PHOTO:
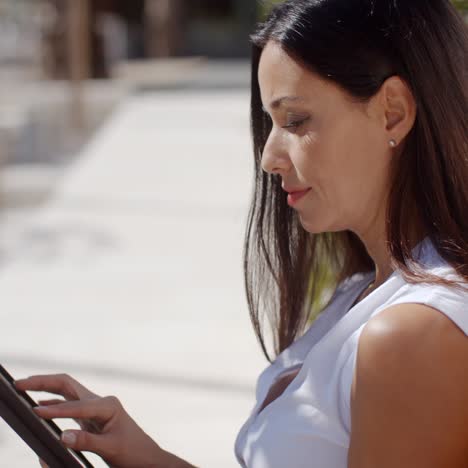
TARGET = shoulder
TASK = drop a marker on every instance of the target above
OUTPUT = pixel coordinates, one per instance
(409, 339)
(410, 390)
(413, 324)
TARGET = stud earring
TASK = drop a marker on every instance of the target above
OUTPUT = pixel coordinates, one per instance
(393, 143)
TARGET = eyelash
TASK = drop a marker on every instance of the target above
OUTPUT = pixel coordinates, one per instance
(296, 124)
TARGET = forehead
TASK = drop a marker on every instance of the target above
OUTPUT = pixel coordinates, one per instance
(279, 74)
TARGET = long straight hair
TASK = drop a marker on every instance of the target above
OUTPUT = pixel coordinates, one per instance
(358, 44)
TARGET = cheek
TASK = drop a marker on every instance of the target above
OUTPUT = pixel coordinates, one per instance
(322, 158)
(308, 160)
(335, 161)
(359, 169)
(351, 151)
(338, 159)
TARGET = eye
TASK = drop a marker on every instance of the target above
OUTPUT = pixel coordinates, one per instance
(293, 124)
(296, 124)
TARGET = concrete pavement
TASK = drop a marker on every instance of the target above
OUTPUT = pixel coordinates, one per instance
(130, 276)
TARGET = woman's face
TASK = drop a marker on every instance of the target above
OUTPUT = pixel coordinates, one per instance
(323, 141)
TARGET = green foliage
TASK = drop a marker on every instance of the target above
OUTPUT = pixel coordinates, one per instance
(264, 7)
(324, 287)
(462, 5)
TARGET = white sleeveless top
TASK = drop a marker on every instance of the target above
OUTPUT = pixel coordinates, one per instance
(309, 423)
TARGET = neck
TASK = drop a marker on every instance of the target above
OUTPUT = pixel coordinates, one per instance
(380, 254)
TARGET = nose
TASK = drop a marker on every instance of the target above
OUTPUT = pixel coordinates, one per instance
(275, 159)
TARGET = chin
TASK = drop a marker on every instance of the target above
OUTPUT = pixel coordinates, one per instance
(311, 227)
(316, 225)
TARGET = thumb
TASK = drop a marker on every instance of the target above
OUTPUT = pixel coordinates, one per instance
(88, 442)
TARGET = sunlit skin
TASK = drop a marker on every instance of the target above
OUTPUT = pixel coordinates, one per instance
(324, 139)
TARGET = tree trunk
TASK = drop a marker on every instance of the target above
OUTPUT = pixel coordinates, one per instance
(164, 27)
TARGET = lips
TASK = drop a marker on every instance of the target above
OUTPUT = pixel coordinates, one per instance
(294, 197)
(295, 190)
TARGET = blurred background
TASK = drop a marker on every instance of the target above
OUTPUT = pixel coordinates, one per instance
(125, 177)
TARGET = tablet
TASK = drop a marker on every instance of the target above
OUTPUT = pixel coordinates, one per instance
(42, 436)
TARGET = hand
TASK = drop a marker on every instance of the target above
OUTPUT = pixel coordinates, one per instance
(106, 428)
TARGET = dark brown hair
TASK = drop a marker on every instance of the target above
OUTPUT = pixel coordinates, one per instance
(358, 44)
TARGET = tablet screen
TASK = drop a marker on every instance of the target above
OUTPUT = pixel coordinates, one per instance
(43, 436)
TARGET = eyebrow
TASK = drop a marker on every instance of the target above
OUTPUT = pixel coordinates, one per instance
(277, 102)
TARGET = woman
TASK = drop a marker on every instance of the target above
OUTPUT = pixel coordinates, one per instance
(359, 112)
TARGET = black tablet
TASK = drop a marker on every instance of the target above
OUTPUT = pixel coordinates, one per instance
(42, 436)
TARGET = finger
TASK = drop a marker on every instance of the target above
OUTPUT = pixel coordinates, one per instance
(49, 402)
(60, 384)
(43, 464)
(101, 444)
(89, 426)
(99, 409)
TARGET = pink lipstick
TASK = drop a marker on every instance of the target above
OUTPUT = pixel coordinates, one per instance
(294, 197)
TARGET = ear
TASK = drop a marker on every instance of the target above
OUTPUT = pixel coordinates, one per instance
(398, 108)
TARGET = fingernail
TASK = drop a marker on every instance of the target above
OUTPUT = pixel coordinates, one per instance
(69, 438)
